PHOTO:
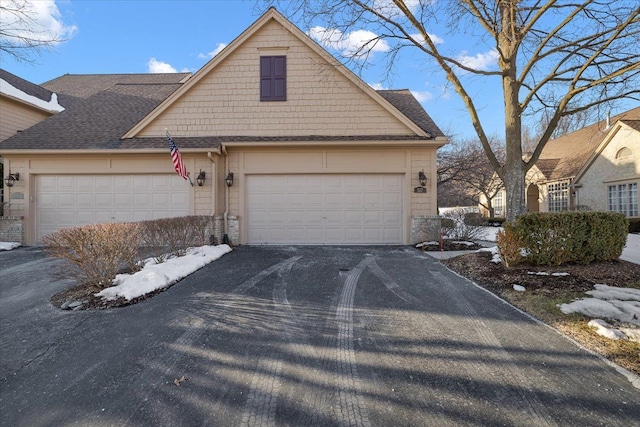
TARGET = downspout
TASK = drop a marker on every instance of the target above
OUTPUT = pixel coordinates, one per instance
(213, 177)
(225, 237)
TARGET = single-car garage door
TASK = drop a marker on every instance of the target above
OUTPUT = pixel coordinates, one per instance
(324, 209)
(73, 200)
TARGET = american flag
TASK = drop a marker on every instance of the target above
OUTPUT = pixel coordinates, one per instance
(178, 163)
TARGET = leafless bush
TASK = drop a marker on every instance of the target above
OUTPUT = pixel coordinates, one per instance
(458, 229)
(97, 252)
(168, 237)
(509, 246)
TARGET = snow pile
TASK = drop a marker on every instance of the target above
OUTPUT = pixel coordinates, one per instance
(7, 246)
(157, 276)
(495, 255)
(617, 304)
(544, 273)
(519, 288)
(463, 242)
(433, 242)
(606, 330)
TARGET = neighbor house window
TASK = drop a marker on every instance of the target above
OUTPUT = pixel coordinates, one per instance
(498, 204)
(623, 198)
(273, 78)
(558, 196)
(623, 153)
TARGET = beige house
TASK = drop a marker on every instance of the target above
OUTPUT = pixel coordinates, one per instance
(595, 168)
(293, 147)
(22, 104)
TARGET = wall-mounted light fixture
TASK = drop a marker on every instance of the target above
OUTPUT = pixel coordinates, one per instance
(422, 178)
(200, 178)
(229, 179)
(11, 179)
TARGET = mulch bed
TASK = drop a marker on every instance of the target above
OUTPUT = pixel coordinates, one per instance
(497, 278)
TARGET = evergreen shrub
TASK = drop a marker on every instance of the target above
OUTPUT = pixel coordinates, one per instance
(569, 237)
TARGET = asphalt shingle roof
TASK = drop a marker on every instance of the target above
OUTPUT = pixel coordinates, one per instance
(408, 105)
(563, 157)
(26, 86)
(101, 108)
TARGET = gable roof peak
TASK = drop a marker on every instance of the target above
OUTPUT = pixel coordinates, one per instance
(273, 14)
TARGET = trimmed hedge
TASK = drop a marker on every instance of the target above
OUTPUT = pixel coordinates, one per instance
(564, 237)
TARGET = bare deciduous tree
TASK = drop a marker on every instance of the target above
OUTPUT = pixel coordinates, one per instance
(555, 58)
(22, 31)
(464, 173)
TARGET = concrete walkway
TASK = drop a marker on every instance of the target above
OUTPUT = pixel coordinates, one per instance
(317, 336)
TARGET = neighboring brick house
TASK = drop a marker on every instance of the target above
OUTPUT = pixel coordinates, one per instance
(594, 168)
(311, 153)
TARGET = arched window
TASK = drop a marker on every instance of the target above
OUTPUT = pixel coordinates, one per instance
(624, 152)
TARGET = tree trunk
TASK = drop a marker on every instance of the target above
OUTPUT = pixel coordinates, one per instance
(515, 188)
(513, 172)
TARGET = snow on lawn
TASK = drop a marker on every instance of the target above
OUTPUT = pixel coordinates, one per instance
(157, 276)
(622, 304)
(7, 246)
(631, 251)
(616, 304)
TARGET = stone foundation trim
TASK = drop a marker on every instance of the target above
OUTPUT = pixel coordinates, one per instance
(425, 228)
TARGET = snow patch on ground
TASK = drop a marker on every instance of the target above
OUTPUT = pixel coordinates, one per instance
(7, 246)
(606, 330)
(519, 288)
(495, 255)
(615, 304)
(433, 242)
(157, 276)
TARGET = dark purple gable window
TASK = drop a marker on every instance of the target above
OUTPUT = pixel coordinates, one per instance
(273, 78)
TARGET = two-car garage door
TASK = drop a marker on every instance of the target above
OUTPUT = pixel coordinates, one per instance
(73, 200)
(325, 209)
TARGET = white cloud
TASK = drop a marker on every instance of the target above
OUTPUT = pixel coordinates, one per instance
(43, 20)
(481, 61)
(356, 43)
(422, 96)
(434, 38)
(214, 52)
(377, 86)
(388, 8)
(156, 66)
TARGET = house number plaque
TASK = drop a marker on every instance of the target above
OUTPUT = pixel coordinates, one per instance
(419, 189)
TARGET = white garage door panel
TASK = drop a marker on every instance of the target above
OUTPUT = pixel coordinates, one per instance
(324, 209)
(73, 200)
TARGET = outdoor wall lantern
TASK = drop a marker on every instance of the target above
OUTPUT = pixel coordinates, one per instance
(11, 179)
(229, 179)
(200, 178)
(422, 178)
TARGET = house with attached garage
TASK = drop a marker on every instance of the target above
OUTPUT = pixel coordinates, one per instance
(290, 147)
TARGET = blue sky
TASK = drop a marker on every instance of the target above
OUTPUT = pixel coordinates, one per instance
(141, 36)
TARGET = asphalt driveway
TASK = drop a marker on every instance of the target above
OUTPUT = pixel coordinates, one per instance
(296, 336)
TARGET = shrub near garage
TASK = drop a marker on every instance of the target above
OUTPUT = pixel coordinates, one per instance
(97, 252)
(168, 237)
(566, 237)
